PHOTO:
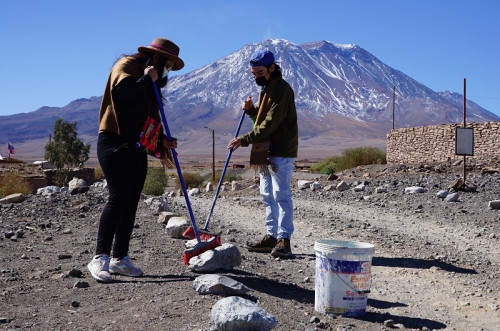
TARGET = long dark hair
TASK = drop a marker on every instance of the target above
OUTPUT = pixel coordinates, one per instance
(140, 57)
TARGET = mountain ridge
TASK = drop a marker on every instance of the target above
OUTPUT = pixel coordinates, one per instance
(342, 91)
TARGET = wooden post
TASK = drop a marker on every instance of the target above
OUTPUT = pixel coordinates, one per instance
(213, 155)
(465, 123)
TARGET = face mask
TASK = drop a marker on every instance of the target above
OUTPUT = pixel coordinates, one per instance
(261, 81)
(165, 72)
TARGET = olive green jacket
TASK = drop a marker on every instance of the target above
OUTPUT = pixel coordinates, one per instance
(280, 124)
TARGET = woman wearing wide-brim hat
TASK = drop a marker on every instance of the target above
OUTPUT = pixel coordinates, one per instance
(128, 101)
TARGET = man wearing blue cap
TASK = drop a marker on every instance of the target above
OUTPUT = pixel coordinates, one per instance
(274, 140)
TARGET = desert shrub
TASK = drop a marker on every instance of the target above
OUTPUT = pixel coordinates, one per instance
(98, 173)
(350, 158)
(326, 166)
(11, 183)
(156, 181)
(227, 177)
(191, 180)
(361, 156)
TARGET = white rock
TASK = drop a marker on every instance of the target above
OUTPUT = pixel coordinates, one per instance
(209, 187)
(303, 184)
(442, 194)
(452, 197)
(176, 226)
(238, 314)
(76, 183)
(48, 190)
(494, 204)
(219, 285)
(13, 198)
(329, 188)
(414, 190)
(359, 188)
(193, 191)
(315, 186)
(165, 216)
(224, 257)
(342, 186)
(381, 189)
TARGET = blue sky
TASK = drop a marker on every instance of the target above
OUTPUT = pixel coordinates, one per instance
(54, 52)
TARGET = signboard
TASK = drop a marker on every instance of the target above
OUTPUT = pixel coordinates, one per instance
(464, 141)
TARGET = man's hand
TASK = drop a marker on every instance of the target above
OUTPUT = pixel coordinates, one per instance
(234, 144)
(247, 104)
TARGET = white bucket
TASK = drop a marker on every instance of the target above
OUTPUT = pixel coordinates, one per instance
(343, 276)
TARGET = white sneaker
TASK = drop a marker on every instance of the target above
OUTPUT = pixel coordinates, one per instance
(99, 268)
(124, 267)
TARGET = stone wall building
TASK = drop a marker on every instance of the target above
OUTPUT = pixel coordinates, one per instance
(437, 143)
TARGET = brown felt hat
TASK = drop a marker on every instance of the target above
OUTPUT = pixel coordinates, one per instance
(165, 48)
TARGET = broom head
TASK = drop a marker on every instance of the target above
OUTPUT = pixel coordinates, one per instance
(200, 247)
(204, 235)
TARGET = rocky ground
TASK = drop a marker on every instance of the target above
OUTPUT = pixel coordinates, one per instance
(436, 266)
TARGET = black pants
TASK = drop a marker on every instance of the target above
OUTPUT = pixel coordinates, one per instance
(125, 168)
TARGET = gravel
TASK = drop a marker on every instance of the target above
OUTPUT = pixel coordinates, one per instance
(436, 265)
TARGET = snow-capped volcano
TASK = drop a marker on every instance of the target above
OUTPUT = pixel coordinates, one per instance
(328, 79)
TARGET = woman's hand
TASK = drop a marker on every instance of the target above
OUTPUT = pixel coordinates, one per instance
(169, 143)
(151, 71)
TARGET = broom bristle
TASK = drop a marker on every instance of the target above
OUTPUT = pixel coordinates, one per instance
(204, 235)
(189, 233)
(200, 248)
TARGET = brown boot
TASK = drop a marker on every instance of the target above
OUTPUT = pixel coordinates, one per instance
(265, 245)
(282, 248)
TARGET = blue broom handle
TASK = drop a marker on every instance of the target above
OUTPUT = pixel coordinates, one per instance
(223, 173)
(174, 154)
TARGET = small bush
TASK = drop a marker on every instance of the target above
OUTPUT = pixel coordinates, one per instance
(191, 180)
(11, 183)
(361, 156)
(156, 181)
(350, 158)
(98, 173)
(326, 166)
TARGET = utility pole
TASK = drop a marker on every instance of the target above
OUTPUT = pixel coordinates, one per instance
(465, 157)
(213, 152)
(393, 104)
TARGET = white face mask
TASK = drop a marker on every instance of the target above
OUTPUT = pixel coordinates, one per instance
(165, 72)
(168, 67)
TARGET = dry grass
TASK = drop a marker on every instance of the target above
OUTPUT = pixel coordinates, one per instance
(11, 183)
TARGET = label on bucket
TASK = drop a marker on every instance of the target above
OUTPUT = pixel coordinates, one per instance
(341, 286)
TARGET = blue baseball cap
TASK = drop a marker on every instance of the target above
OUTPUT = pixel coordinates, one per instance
(261, 58)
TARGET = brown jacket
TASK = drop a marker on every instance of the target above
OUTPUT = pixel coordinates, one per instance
(128, 99)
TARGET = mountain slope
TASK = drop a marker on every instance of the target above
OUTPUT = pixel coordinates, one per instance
(343, 96)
